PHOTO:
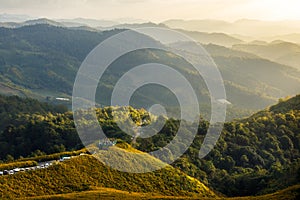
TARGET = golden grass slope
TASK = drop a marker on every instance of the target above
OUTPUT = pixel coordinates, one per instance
(291, 193)
(83, 173)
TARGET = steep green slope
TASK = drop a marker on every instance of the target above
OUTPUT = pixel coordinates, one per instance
(254, 74)
(285, 105)
(84, 172)
(43, 57)
(265, 78)
(42, 60)
(255, 155)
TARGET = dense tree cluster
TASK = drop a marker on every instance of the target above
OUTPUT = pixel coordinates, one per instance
(12, 106)
(251, 155)
(255, 155)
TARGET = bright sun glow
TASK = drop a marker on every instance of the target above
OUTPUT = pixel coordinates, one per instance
(277, 9)
(157, 10)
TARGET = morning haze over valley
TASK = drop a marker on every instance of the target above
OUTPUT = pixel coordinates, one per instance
(148, 99)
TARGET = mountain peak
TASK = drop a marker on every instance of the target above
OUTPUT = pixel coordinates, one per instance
(42, 21)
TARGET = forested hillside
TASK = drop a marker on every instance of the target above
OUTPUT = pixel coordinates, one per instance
(31, 65)
(256, 155)
(12, 106)
(148, 99)
(44, 58)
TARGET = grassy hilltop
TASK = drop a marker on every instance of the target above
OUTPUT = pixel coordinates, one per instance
(84, 173)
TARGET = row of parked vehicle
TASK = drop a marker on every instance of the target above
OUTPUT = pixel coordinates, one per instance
(23, 169)
(39, 166)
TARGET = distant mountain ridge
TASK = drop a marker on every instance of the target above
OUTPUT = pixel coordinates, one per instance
(94, 23)
(212, 38)
(30, 22)
(279, 51)
(244, 29)
(43, 60)
(248, 27)
(14, 18)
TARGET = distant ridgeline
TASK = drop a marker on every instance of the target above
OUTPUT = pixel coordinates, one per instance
(34, 67)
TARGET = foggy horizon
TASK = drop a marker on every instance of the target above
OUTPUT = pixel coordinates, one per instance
(150, 10)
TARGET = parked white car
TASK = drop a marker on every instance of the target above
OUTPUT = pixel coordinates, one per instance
(64, 158)
(16, 170)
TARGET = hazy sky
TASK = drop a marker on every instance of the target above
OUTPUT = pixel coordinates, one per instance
(156, 10)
